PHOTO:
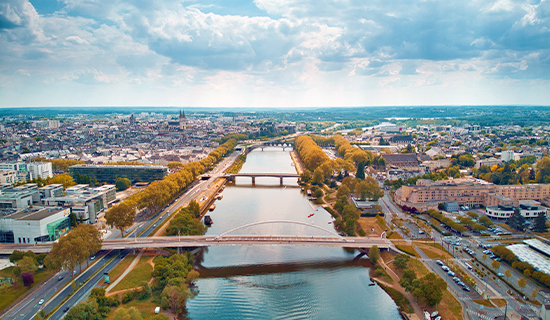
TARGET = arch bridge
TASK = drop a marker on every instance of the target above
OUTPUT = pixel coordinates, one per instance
(232, 176)
(228, 238)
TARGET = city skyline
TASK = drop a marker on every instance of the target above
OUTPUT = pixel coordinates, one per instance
(280, 53)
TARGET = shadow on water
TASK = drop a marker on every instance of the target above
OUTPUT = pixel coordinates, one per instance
(263, 269)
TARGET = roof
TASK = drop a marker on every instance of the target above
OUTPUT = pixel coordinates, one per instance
(34, 214)
(400, 157)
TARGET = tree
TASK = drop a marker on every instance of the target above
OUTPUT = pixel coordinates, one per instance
(27, 265)
(507, 273)
(343, 192)
(28, 279)
(522, 283)
(127, 314)
(360, 170)
(495, 264)
(192, 276)
(484, 257)
(175, 298)
(406, 281)
(526, 273)
(516, 221)
(472, 215)
(535, 293)
(306, 175)
(485, 221)
(400, 261)
(121, 216)
(318, 176)
(92, 238)
(543, 170)
(539, 224)
(83, 311)
(374, 254)
(122, 183)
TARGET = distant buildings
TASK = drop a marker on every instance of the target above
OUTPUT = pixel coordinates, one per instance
(28, 171)
(34, 225)
(109, 173)
(504, 211)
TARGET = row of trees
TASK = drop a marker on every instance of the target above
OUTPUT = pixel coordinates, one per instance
(97, 307)
(160, 193)
(60, 165)
(526, 268)
(74, 248)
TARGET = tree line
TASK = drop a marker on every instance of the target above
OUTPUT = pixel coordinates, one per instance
(159, 193)
(59, 165)
(524, 267)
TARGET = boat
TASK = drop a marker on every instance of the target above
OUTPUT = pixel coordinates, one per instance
(220, 196)
(427, 315)
(212, 207)
(435, 313)
(438, 318)
(311, 215)
(372, 284)
(330, 222)
(207, 220)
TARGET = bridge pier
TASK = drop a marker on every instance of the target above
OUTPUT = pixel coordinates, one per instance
(281, 180)
(253, 180)
(262, 148)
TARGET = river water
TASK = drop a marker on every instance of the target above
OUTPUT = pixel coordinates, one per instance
(278, 282)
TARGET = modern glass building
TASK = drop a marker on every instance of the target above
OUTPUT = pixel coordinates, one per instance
(109, 173)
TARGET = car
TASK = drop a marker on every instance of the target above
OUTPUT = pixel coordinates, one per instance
(60, 278)
(451, 274)
(469, 266)
(439, 262)
(66, 309)
(445, 268)
(41, 302)
(420, 232)
(465, 288)
(500, 274)
(455, 279)
(92, 257)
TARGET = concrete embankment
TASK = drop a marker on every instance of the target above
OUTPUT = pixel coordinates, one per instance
(298, 164)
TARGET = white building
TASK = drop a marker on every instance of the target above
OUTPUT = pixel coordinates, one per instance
(506, 211)
(20, 168)
(34, 225)
(508, 155)
(8, 176)
(40, 169)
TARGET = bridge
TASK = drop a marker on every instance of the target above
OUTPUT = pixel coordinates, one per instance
(272, 143)
(232, 176)
(332, 239)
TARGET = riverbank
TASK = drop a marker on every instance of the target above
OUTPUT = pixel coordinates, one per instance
(298, 164)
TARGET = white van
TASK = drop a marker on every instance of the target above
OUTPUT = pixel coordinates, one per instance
(157, 310)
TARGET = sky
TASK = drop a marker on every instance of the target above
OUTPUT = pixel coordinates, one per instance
(274, 53)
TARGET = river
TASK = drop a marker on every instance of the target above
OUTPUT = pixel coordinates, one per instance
(278, 282)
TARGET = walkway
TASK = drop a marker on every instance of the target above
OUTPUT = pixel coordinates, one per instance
(130, 267)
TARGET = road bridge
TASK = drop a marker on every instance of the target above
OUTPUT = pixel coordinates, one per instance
(227, 239)
(232, 176)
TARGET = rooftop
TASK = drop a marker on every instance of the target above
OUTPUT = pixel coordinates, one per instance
(34, 214)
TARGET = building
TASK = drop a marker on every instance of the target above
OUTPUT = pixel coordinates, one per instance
(132, 120)
(468, 192)
(51, 191)
(401, 160)
(8, 176)
(40, 169)
(489, 162)
(84, 201)
(450, 206)
(109, 173)
(506, 211)
(180, 124)
(20, 197)
(34, 225)
(508, 155)
(392, 127)
(20, 168)
(402, 139)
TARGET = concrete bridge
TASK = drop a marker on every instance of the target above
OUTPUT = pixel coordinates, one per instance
(232, 176)
(272, 143)
(332, 239)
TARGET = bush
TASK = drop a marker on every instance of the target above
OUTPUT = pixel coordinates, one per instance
(127, 297)
(28, 279)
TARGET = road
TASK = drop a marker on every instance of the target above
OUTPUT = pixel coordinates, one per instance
(29, 307)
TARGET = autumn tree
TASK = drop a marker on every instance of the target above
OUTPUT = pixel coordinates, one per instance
(522, 283)
(27, 265)
(91, 236)
(121, 216)
(543, 170)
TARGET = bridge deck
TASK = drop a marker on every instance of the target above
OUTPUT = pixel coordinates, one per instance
(207, 241)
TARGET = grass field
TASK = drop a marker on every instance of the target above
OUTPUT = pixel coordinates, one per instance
(407, 249)
(141, 272)
(8, 294)
(119, 269)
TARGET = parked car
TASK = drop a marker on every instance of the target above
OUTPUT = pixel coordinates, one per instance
(41, 302)
(439, 262)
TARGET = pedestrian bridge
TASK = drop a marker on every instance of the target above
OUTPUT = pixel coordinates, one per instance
(331, 239)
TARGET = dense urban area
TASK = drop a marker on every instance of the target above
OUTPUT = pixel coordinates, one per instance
(453, 201)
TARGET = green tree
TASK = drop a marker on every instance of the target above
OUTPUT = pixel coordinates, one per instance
(175, 298)
(83, 311)
(360, 174)
(400, 261)
(429, 289)
(127, 314)
(472, 215)
(374, 254)
(306, 175)
(543, 170)
(539, 224)
(343, 192)
(194, 208)
(122, 183)
(407, 280)
(121, 216)
(516, 221)
(485, 221)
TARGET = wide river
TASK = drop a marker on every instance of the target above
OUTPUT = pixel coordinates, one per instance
(278, 282)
